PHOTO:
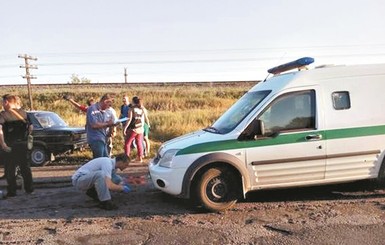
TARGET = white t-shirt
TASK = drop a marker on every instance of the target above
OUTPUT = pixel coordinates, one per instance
(142, 110)
(110, 114)
(104, 164)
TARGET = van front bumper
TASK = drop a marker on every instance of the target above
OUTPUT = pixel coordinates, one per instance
(168, 180)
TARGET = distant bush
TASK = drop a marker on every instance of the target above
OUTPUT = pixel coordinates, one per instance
(76, 80)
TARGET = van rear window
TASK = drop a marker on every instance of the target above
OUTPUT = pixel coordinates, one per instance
(341, 100)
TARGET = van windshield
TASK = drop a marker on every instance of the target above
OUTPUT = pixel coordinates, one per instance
(237, 112)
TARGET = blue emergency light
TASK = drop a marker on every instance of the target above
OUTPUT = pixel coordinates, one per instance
(291, 65)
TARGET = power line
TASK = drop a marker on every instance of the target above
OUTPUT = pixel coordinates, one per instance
(194, 51)
(193, 60)
(249, 51)
(248, 61)
(132, 71)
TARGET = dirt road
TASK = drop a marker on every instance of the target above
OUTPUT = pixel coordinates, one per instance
(58, 214)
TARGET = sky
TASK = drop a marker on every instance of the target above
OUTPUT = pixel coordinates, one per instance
(183, 40)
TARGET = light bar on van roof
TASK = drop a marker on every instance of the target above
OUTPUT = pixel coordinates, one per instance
(291, 65)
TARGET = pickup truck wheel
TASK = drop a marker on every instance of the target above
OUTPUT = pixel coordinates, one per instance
(38, 156)
(217, 189)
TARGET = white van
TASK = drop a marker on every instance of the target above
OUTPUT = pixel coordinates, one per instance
(298, 128)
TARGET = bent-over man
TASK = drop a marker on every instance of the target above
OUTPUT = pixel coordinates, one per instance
(95, 177)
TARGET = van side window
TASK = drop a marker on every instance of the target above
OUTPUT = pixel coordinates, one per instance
(292, 111)
(341, 100)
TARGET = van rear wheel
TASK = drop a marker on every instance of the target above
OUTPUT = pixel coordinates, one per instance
(381, 174)
(217, 189)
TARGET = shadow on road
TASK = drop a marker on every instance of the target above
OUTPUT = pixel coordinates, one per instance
(356, 190)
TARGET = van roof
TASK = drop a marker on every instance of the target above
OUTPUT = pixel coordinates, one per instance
(302, 63)
(330, 71)
(313, 76)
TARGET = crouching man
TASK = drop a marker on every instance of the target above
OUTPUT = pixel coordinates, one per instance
(95, 177)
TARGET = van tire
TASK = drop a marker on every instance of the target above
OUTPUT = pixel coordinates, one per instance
(217, 189)
(381, 174)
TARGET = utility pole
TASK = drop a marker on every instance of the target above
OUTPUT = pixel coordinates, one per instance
(28, 76)
(125, 75)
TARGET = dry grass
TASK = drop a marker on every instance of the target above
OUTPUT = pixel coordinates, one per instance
(173, 109)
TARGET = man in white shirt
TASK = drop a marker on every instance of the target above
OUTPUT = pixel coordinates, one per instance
(111, 131)
(95, 177)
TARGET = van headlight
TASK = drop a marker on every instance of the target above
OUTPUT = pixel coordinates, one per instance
(166, 159)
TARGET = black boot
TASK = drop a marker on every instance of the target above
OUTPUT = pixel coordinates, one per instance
(92, 193)
(107, 205)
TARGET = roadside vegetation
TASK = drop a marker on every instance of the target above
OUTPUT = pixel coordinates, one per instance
(173, 109)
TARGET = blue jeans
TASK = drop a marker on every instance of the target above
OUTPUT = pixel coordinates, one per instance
(93, 179)
(99, 149)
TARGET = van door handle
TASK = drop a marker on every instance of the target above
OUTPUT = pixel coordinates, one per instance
(313, 137)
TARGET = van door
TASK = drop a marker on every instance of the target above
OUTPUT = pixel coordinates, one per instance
(290, 151)
(355, 139)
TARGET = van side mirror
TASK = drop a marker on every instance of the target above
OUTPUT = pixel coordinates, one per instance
(256, 128)
(260, 128)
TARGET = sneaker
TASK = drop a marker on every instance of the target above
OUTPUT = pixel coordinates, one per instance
(92, 193)
(107, 205)
(30, 192)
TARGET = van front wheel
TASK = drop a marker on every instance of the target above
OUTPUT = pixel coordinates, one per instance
(217, 189)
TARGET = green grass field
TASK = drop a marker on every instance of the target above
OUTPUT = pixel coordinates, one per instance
(173, 109)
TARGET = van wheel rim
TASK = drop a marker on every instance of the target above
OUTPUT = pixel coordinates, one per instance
(217, 189)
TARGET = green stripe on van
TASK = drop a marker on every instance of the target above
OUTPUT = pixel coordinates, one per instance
(355, 132)
(282, 139)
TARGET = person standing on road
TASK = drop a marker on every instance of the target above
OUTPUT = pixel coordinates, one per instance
(111, 131)
(146, 132)
(95, 177)
(111, 114)
(14, 130)
(134, 129)
(97, 123)
(124, 108)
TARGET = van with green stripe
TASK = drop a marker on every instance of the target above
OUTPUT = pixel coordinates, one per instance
(302, 127)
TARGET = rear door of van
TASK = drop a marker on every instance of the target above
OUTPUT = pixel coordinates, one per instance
(356, 126)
